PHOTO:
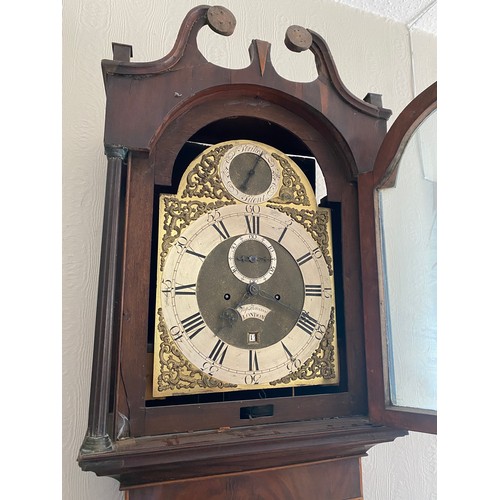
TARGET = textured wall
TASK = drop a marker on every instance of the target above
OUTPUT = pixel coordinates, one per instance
(372, 55)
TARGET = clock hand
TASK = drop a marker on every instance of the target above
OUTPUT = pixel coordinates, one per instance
(230, 315)
(251, 172)
(252, 258)
(245, 297)
(270, 297)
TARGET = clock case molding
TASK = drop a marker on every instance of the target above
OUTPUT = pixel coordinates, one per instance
(153, 110)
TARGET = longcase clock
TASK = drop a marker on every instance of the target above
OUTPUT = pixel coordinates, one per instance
(233, 330)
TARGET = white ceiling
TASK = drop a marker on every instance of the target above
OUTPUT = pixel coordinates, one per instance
(420, 14)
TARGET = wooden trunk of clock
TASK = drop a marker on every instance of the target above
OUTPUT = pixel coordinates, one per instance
(248, 443)
(333, 480)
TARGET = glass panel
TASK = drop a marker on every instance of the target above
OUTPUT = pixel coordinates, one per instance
(408, 233)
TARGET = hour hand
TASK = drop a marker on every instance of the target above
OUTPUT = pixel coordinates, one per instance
(252, 258)
(251, 172)
(276, 300)
(230, 316)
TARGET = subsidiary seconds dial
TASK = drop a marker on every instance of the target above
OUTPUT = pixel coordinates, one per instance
(252, 258)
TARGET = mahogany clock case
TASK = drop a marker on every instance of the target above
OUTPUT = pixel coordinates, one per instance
(159, 116)
(223, 409)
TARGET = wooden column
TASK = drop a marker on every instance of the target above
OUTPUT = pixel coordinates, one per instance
(98, 438)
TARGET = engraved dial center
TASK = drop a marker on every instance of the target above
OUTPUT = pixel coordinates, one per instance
(243, 313)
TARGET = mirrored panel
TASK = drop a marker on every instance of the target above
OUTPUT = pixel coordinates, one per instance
(408, 218)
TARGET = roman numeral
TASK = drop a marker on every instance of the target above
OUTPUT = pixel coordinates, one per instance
(253, 363)
(288, 353)
(218, 352)
(282, 234)
(305, 258)
(221, 229)
(186, 289)
(313, 290)
(307, 323)
(253, 224)
(293, 363)
(193, 324)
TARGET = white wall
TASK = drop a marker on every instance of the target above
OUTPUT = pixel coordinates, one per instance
(372, 55)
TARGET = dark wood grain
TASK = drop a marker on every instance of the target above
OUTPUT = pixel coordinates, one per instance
(188, 455)
(153, 109)
(386, 165)
(332, 479)
(136, 279)
(98, 437)
(325, 98)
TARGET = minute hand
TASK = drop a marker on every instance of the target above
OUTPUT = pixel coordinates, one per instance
(268, 296)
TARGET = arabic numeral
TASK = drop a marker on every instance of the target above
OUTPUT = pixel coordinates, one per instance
(317, 253)
(166, 289)
(252, 378)
(213, 216)
(180, 244)
(320, 331)
(253, 209)
(176, 333)
(209, 368)
(166, 286)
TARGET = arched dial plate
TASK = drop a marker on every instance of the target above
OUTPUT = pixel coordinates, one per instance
(245, 295)
(237, 330)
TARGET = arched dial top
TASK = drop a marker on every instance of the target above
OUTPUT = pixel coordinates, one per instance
(245, 287)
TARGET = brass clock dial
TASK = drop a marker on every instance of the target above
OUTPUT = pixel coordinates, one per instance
(245, 295)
